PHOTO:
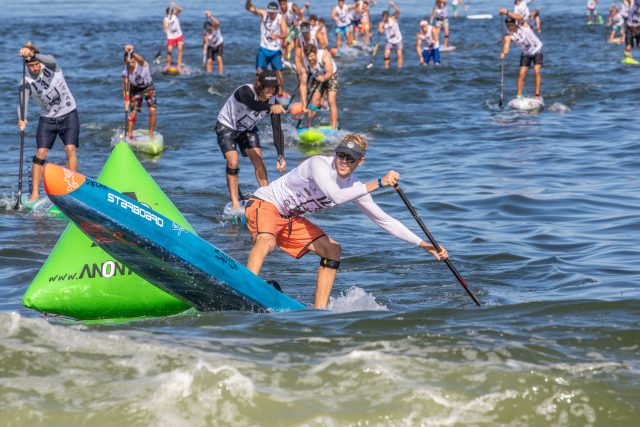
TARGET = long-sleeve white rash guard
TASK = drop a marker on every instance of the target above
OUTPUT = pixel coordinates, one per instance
(315, 185)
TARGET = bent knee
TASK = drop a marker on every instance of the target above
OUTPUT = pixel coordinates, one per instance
(334, 250)
(266, 241)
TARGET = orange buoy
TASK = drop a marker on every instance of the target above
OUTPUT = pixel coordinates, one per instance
(296, 108)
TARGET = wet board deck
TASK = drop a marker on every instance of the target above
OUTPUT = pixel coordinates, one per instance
(171, 71)
(315, 135)
(160, 250)
(526, 104)
(41, 207)
(142, 143)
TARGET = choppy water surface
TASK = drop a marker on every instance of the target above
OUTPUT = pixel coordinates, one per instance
(538, 212)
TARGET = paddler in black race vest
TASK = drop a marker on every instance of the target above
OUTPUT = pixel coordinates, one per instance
(522, 35)
(276, 213)
(138, 86)
(236, 129)
(59, 116)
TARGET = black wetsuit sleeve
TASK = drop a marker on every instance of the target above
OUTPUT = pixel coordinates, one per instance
(47, 60)
(245, 96)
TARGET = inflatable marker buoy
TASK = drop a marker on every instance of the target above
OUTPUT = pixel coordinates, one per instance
(82, 281)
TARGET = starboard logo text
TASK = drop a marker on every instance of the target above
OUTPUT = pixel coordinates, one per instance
(137, 210)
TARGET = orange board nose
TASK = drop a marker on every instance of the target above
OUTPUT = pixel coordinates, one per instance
(59, 181)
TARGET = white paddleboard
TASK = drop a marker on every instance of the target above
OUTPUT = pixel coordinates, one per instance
(526, 104)
(141, 142)
(487, 16)
(447, 48)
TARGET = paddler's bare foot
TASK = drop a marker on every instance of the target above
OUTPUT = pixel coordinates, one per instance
(151, 135)
(33, 198)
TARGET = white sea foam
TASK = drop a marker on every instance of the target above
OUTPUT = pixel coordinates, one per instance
(355, 299)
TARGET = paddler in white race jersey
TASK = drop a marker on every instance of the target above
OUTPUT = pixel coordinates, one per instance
(391, 29)
(275, 213)
(304, 39)
(317, 33)
(428, 44)
(455, 6)
(273, 30)
(45, 82)
(522, 35)
(138, 85)
(292, 17)
(236, 130)
(341, 15)
(439, 13)
(171, 26)
(324, 72)
(213, 43)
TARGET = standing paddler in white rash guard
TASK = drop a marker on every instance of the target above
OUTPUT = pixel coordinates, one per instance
(274, 213)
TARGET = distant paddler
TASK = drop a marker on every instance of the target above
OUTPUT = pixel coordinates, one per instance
(213, 43)
(341, 15)
(592, 15)
(428, 44)
(317, 32)
(319, 64)
(304, 39)
(632, 32)
(59, 116)
(616, 22)
(236, 130)
(273, 30)
(439, 13)
(391, 29)
(171, 26)
(292, 16)
(138, 86)
(276, 213)
(530, 45)
(321, 33)
(456, 5)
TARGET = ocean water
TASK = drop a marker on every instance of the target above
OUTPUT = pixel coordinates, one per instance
(539, 213)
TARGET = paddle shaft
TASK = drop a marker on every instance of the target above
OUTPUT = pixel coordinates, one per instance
(501, 102)
(23, 91)
(434, 243)
(126, 89)
(314, 87)
(159, 54)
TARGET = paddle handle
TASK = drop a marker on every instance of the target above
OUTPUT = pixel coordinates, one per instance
(435, 243)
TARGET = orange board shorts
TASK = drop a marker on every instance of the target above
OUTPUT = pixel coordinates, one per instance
(293, 235)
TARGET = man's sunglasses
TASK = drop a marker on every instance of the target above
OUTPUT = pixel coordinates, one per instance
(346, 157)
